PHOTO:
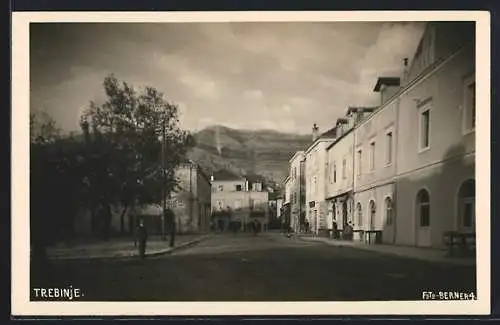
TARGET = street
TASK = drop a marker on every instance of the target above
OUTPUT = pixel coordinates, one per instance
(266, 267)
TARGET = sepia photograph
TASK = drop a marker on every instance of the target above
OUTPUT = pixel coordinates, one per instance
(248, 161)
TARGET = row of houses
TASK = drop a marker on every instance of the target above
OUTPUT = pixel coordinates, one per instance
(402, 170)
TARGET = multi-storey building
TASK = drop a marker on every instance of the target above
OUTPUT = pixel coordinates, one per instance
(237, 200)
(191, 202)
(339, 169)
(297, 191)
(374, 168)
(315, 178)
(435, 159)
(404, 171)
(415, 155)
(287, 199)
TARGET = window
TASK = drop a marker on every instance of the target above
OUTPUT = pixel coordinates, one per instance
(388, 211)
(467, 204)
(257, 187)
(373, 212)
(237, 204)
(360, 156)
(372, 155)
(238, 188)
(295, 198)
(334, 172)
(220, 205)
(330, 173)
(423, 208)
(221, 188)
(469, 110)
(388, 152)
(344, 167)
(360, 215)
(424, 130)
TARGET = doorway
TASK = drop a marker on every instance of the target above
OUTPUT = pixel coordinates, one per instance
(423, 219)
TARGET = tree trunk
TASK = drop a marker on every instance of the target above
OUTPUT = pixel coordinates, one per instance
(106, 216)
(122, 220)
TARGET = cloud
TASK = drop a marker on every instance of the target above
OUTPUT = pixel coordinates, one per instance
(282, 75)
(287, 108)
(254, 94)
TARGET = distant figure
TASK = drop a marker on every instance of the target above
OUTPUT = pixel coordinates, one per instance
(334, 229)
(142, 237)
(348, 231)
(255, 225)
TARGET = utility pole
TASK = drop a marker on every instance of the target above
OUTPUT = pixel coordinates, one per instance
(164, 179)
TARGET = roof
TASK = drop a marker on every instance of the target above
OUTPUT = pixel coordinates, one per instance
(342, 120)
(297, 154)
(253, 178)
(329, 134)
(188, 163)
(388, 81)
(286, 179)
(226, 175)
(274, 196)
(351, 109)
(339, 138)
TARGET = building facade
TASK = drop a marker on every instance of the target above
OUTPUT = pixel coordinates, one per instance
(403, 172)
(315, 178)
(297, 191)
(191, 203)
(415, 156)
(237, 200)
(339, 180)
(435, 160)
(287, 198)
(374, 173)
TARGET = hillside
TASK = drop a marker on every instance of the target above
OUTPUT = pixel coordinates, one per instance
(262, 152)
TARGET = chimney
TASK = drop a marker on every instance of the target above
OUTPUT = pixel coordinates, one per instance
(405, 71)
(315, 133)
(338, 129)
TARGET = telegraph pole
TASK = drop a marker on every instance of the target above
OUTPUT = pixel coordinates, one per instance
(164, 179)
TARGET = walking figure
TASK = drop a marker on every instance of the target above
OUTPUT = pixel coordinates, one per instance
(142, 237)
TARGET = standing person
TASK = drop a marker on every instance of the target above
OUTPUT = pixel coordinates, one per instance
(348, 231)
(142, 237)
(254, 226)
(335, 229)
(173, 225)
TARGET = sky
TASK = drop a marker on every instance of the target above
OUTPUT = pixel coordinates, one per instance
(283, 76)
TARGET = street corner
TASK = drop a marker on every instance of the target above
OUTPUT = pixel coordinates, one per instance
(181, 246)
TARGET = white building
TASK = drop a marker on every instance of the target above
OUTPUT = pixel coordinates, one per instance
(339, 166)
(297, 190)
(415, 155)
(435, 160)
(315, 178)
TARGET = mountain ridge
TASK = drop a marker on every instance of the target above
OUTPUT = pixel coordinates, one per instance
(262, 152)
